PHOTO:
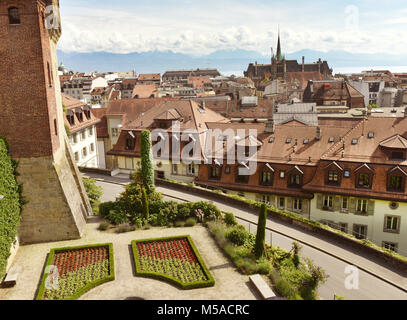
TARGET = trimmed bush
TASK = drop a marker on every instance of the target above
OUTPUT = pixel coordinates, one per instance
(125, 228)
(94, 193)
(103, 226)
(261, 232)
(209, 210)
(190, 222)
(237, 236)
(10, 205)
(179, 224)
(144, 200)
(106, 207)
(147, 169)
(230, 219)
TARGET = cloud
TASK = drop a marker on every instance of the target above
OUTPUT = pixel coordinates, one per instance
(194, 27)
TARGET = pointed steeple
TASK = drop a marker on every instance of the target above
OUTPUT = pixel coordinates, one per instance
(279, 57)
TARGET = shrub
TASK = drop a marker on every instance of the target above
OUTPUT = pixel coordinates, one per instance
(117, 217)
(230, 219)
(190, 222)
(261, 232)
(147, 169)
(296, 248)
(103, 226)
(125, 228)
(185, 210)
(94, 193)
(209, 210)
(10, 205)
(146, 227)
(264, 267)
(179, 224)
(106, 207)
(237, 236)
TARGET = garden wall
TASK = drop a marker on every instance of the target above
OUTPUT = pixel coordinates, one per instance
(308, 225)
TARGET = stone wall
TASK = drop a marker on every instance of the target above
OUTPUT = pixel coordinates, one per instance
(55, 210)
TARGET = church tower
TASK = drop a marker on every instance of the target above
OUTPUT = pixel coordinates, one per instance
(32, 121)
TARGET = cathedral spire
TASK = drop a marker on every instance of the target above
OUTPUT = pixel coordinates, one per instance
(279, 56)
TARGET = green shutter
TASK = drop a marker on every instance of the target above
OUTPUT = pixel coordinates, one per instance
(352, 205)
(319, 202)
(337, 204)
(370, 207)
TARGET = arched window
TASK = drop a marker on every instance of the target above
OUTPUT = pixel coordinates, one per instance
(14, 15)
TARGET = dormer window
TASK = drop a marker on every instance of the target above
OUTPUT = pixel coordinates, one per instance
(295, 178)
(333, 177)
(14, 15)
(396, 180)
(242, 178)
(71, 119)
(364, 180)
(395, 155)
(130, 143)
(214, 173)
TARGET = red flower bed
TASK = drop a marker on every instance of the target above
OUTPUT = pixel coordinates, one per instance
(71, 261)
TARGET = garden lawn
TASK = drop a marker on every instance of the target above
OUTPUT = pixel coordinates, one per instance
(70, 272)
(174, 259)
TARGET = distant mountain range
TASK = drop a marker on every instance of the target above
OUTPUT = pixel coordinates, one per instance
(227, 62)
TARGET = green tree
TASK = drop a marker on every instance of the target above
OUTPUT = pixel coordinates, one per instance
(94, 193)
(147, 169)
(261, 232)
(144, 199)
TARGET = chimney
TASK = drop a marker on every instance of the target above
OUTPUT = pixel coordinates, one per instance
(319, 133)
(405, 112)
(303, 63)
(319, 65)
(270, 127)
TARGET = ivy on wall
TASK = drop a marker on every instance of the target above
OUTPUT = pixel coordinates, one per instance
(10, 204)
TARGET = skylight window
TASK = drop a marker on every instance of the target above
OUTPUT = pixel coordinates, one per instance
(271, 140)
(331, 139)
(306, 141)
(371, 135)
(288, 141)
(355, 141)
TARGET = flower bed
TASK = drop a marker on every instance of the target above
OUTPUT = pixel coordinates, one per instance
(70, 272)
(174, 259)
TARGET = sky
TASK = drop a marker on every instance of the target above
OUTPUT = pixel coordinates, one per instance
(202, 27)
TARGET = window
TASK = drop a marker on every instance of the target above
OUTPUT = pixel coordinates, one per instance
(391, 224)
(328, 202)
(370, 135)
(390, 246)
(76, 156)
(75, 138)
(331, 139)
(360, 231)
(55, 127)
(396, 183)
(71, 119)
(240, 178)
(346, 173)
(115, 132)
(130, 143)
(83, 135)
(49, 75)
(14, 15)
(354, 141)
(191, 169)
(297, 204)
(92, 147)
(214, 173)
(227, 170)
(361, 206)
(288, 141)
(281, 203)
(364, 180)
(282, 174)
(295, 180)
(343, 227)
(174, 169)
(345, 205)
(266, 178)
(90, 132)
(397, 156)
(333, 177)
(84, 152)
(265, 198)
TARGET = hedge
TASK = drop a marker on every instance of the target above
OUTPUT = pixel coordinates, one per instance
(147, 168)
(90, 285)
(155, 275)
(10, 205)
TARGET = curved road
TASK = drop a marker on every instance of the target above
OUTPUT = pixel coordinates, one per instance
(370, 286)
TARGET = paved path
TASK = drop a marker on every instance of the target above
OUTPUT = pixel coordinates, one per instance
(230, 284)
(376, 281)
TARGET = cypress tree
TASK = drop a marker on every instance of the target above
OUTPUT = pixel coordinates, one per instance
(261, 232)
(144, 200)
(147, 169)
